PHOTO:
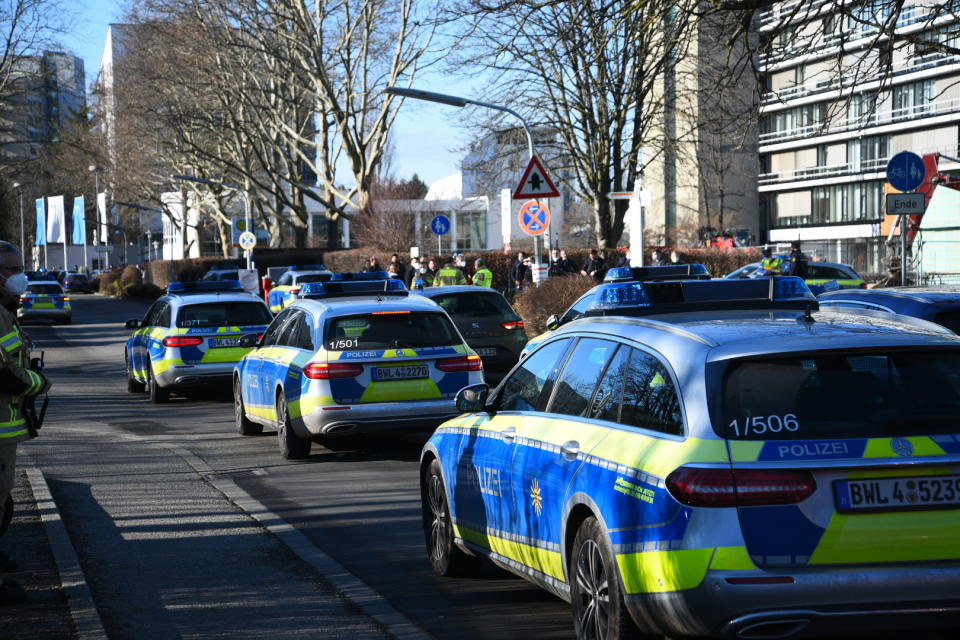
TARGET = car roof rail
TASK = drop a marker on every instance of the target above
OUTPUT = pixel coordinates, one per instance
(647, 298)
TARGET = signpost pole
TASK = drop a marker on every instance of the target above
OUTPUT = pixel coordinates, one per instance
(904, 223)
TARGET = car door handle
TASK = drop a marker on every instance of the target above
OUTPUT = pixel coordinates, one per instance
(509, 434)
(570, 449)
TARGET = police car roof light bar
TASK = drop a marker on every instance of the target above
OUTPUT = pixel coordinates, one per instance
(205, 286)
(306, 267)
(339, 289)
(666, 272)
(643, 298)
(364, 276)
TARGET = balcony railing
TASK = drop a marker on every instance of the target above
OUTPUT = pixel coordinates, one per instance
(920, 63)
(846, 169)
(876, 119)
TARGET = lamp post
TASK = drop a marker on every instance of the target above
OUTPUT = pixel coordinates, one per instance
(248, 223)
(23, 242)
(457, 101)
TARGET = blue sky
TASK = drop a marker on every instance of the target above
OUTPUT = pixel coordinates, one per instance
(424, 133)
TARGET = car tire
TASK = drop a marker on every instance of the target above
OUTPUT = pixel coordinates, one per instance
(446, 558)
(133, 385)
(158, 395)
(292, 446)
(596, 594)
(245, 427)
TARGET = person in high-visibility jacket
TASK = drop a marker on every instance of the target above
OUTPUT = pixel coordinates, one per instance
(449, 275)
(482, 277)
(17, 383)
(772, 265)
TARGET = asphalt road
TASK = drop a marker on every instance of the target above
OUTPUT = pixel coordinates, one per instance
(168, 555)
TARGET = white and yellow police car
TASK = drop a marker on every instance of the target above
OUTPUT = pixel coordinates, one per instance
(288, 285)
(45, 300)
(352, 356)
(715, 458)
(191, 337)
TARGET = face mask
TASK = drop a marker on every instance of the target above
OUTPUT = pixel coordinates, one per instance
(17, 283)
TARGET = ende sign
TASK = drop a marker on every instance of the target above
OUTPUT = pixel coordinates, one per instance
(905, 204)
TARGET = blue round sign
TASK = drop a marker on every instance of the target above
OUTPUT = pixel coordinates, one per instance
(905, 171)
(440, 225)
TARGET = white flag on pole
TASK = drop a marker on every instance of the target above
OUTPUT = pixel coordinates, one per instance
(102, 217)
(56, 224)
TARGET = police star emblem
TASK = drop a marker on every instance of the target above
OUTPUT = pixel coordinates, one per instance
(536, 496)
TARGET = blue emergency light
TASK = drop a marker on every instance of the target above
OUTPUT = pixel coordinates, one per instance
(205, 286)
(361, 276)
(666, 272)
(306, 267)
(341, 288)
(642, 298)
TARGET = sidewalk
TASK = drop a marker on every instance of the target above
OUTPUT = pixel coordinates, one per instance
(46, 613)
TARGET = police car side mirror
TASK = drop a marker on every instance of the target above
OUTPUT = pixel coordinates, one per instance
(553, 322)
(132, 323)
(473, 398)
(249, 340)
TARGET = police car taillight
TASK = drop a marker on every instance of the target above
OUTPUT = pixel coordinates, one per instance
(469, 362)
(328, 370)
(295, 291)
(743, 487)
(517, 324)
(181, 341)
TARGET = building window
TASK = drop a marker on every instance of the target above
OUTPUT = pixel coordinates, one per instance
(471, 230)
(862, 108)
(855, 202)
(868, 153)
(912, 100)
(790, 120)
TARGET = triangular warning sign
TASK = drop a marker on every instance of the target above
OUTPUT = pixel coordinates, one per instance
(535, 183)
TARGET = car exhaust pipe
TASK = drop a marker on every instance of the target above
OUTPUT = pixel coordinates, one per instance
(187, 380)
(772, 629)
(340, 428)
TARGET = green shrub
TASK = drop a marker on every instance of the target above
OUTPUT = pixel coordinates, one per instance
(109, 282)
(719, 262)
(145, 291)
(536, 304)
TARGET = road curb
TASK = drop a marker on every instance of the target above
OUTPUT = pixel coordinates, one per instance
(83, 609)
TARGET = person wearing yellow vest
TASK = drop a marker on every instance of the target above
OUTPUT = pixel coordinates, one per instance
(449, 275)
(482, 277)
(17, 383)
(772, 265)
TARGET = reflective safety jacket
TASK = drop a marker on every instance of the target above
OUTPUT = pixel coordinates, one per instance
(773, 266)
(483, 277)
(17, 380)
(449, 275)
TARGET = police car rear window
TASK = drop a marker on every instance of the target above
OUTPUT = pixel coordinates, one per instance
(53, 289)
(842, 395)
(390, 330)
(223, 314)
(316, 277)
(475, 305)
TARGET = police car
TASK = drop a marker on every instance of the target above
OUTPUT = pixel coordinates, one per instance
(191, 336)
(715, 458)
(45, 300)
(940, 304)
(352, 356)
(289, 284)
(618, 274)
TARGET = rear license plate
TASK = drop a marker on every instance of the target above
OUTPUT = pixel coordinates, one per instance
(897, 494)
(486, 351)
(225, 342)
(400, 373)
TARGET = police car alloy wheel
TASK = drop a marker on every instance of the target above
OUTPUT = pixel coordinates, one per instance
(599, 612)
(158, 394)
(244, 427)
(133, 385)
(445, 557)
(292, 447)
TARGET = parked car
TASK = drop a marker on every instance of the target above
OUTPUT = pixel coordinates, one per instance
(486, 321)
(939, 304)
(819, 277)
(74, 282)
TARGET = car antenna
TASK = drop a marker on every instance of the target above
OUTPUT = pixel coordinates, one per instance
(808, 314)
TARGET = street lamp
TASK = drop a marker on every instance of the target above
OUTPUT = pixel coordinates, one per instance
(457, 101)
(23, 243)
(246, 205)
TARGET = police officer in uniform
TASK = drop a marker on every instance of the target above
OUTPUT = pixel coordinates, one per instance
(17, 383)
(771, 265)
(482, 277)
(449, 275)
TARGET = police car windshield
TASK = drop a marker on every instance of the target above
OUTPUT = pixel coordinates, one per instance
(837, 395)
(391, 330)
(44, 288)
(475, 304)
(223, 314)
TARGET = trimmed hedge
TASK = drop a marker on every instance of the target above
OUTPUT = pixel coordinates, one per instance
(536, 304)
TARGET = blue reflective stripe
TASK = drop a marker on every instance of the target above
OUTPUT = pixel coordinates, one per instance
(19, 427)
(10, 341)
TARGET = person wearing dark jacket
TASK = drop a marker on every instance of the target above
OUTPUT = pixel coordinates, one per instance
(519, 274)
(560, 264)
(595, 267)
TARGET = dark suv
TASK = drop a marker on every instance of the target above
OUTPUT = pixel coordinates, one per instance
(487, 322)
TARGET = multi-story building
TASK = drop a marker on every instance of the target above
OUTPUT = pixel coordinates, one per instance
(847, 87)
